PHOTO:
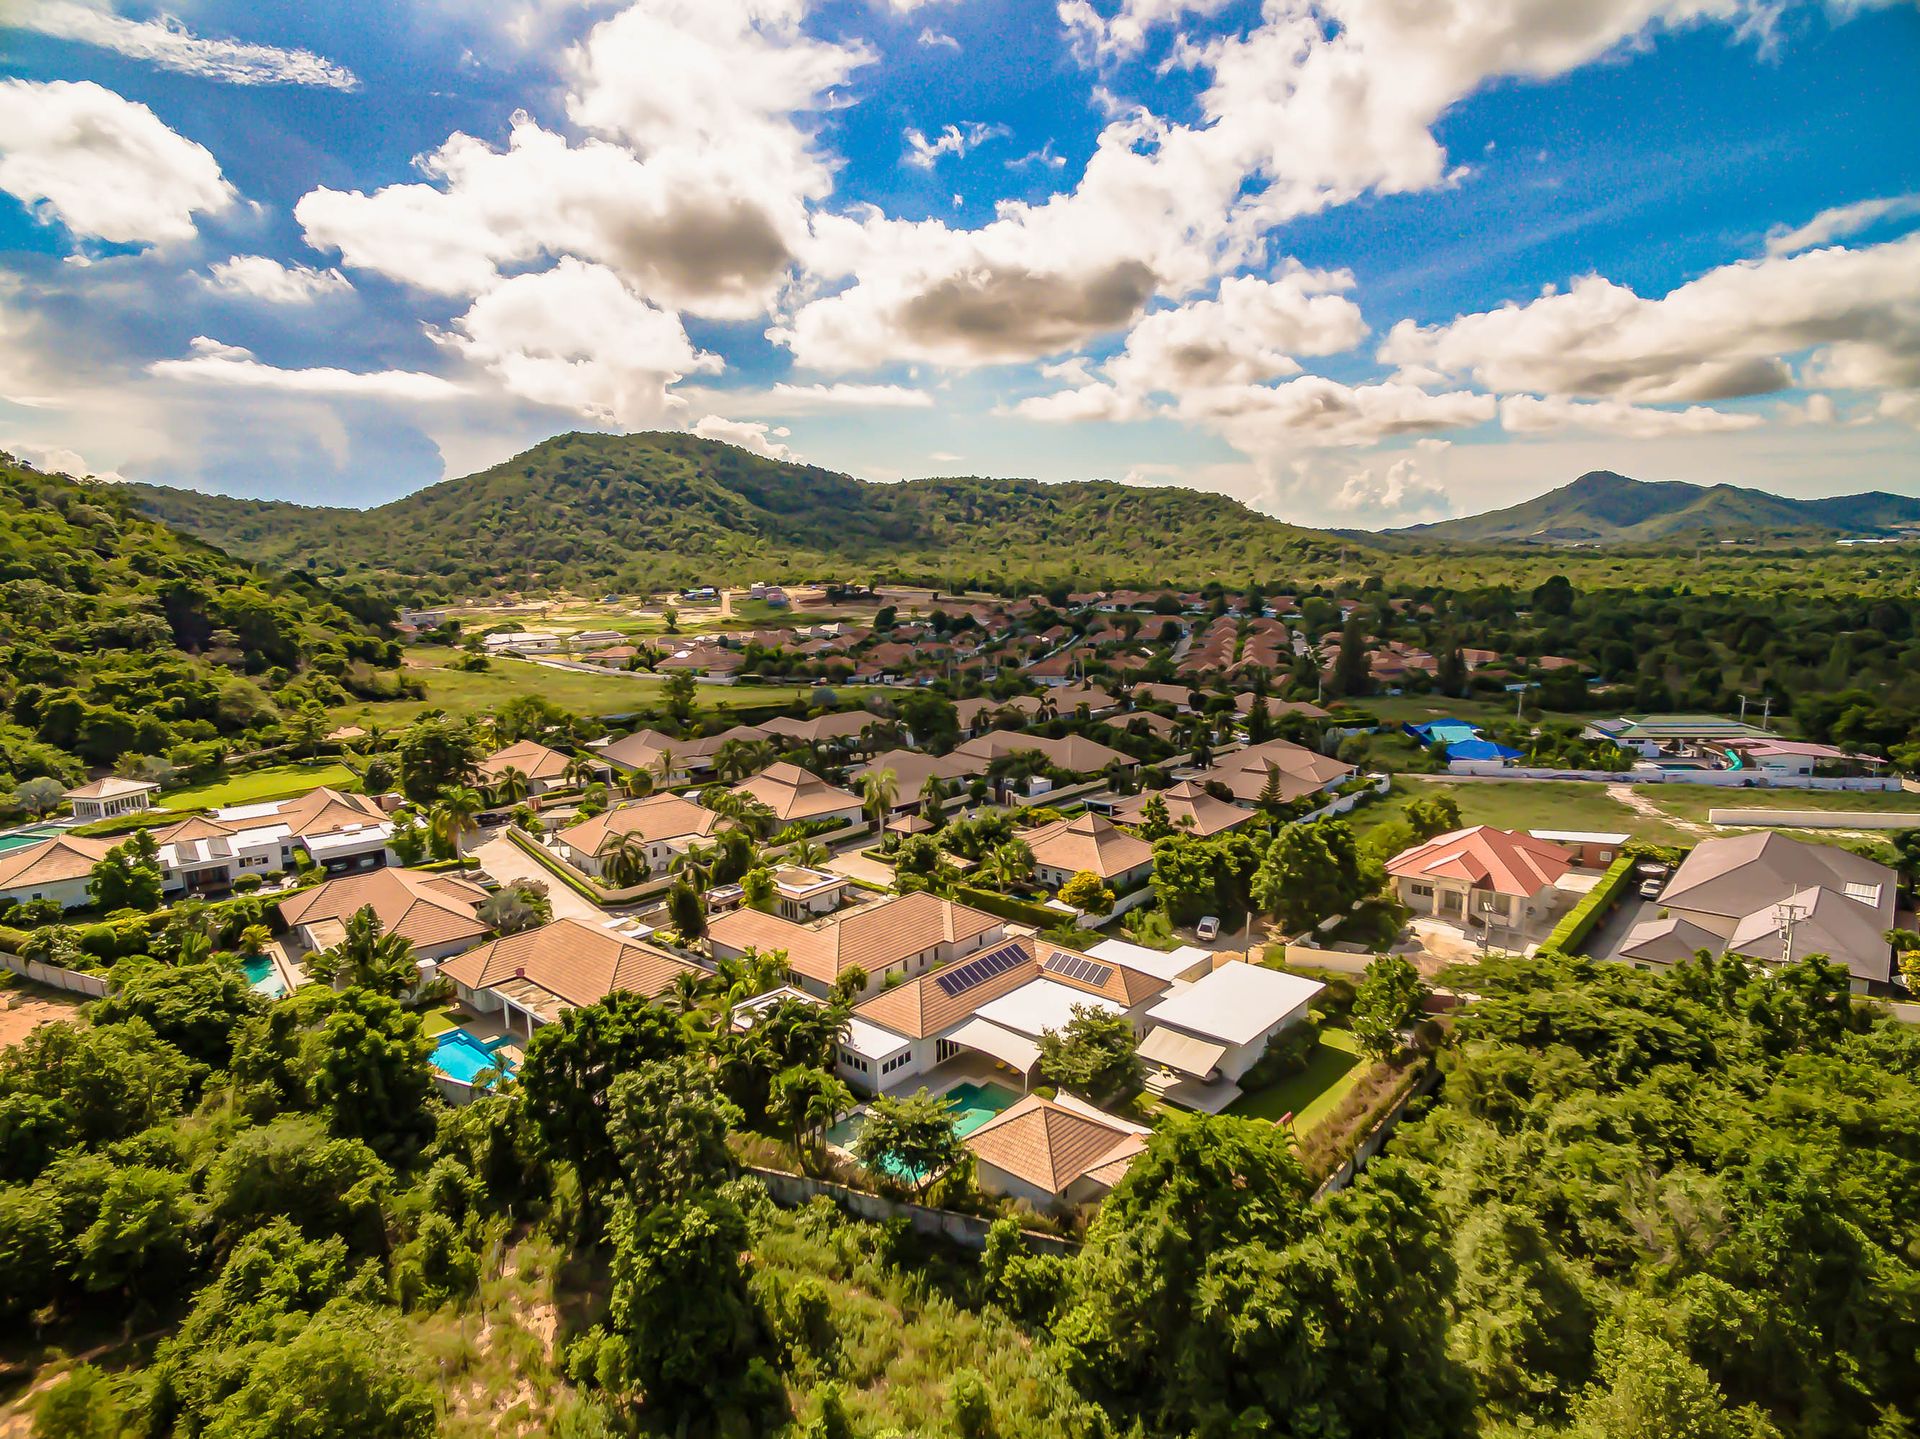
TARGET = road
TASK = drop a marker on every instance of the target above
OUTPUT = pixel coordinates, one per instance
(506, 862)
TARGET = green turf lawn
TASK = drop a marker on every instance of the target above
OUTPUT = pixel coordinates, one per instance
(1333, 1068)
(436, 1022)
(280, 781)
(1522, 804)
(464, 692)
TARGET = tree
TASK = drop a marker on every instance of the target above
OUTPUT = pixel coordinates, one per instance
(1093, 1054)
(1009, 864)
(437, 755)
(878, 790)
(1154, 823)
(678, 697)
(142, 1234)
(368, 957)
(510, 785)
(625, 861)
(194, 1007)
(807, 1099)
(1386, 1002)
(371, 1078)
(1352, 674)
(568, 1067)
(452, 816)
(668, 1128)
(912, 1136)
(291, 1168)
(128, 876)
(516, 907)
(757, 889)
(1086, 892)
(350, 1370)
(1432, 814)
(684, 908)
(1310, 872)
(307, 729)
(807, 854)
(40, 796)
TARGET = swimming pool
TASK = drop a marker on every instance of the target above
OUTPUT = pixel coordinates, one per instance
(264, 976)
(460, 1056)
(20, 839)
(970, 1104)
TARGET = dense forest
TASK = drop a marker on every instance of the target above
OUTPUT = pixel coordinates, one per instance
(590, 511)
(121, 638)
(1673, 1205)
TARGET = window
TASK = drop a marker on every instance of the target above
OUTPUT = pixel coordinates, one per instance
(1423, 891)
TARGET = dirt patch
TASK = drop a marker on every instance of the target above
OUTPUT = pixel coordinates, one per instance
(1635, 800)
(24, 1010)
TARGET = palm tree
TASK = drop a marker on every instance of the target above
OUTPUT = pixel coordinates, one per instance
(695, 866)
(663, 766)
(878, 790)
(639, 784)
(687, 992)
(625, 861)
(453, 816)
(510, 785)
(307, 729)
(807, 854)
(732, 761)
(1009, 865)
(581, 771)
(253, 940)
(367, 957)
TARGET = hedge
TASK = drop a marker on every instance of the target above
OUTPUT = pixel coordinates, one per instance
(1580, 921)
(576, 883)
(1007, 907)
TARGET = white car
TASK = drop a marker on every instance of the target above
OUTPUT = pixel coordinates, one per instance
(1208, 928)
(1650, 888)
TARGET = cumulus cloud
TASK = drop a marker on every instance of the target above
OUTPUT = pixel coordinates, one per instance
(103, 165)
(1394, 493)
(1095, 37)
(213, 363)
(1534, 415)
(747, 434)
(1314, 412)
(1729, 333)
(1095, 401)
(58, 460)
(165, 42)
(955, 140)
(576, 338)
(267, 279)
(694, 187)
(787, 399)
(1840, 222)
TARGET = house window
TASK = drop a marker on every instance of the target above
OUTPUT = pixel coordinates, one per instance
(1423, 891)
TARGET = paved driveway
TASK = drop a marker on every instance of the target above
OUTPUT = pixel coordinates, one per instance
(506, 862)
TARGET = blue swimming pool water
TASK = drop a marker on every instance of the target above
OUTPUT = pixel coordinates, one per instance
(971, 1105)
(460, 1055)
(262, 975)
(21, 839)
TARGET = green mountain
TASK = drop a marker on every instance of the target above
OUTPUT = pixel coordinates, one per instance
(586, 511)
(120, 636)
(1602, 508)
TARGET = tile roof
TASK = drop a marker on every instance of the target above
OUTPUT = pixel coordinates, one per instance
(1301, 770)
(1088, 842)
(655, 819)
(64, 857)
(423, 908)
(794, 794)
(922, 1007)
(871, 937)
(530, 757)
(1186, 801)
(566, 965)
(1051, 1146)
(1485, 858)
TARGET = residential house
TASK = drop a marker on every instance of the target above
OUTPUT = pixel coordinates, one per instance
(1054, 1153)
(545, 769)
(110, 797)
(796, 795)
(1182, 964)
(1190, 809)
(1074, 753)
(1290, 769)
(532, 978)
(57, 869)
(912, 769)
(437, 913)
(842, 731)
(1775, 899)
(1090, 843)
(799, 894)
(1482, 877)
(666, 824)
(997, 1003)
(1244, 703)
(684, 759)
(341, 833)
(899, 936)
(1205, 1036)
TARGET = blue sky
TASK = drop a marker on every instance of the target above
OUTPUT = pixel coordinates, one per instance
(1355, 262)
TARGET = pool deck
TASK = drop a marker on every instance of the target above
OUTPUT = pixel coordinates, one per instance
(967, 1068)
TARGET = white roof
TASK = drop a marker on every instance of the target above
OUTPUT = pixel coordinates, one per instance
(1236, 1002)
(870, 1041)
(1183, 1052)
(1167, 964)
(1579, 836)
(1040, 1005)
(1003, 1044)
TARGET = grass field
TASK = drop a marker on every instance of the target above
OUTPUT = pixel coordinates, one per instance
(1693, 801)
(465, 692)
(1521, 804)
(280, 781)
(1334, 1067)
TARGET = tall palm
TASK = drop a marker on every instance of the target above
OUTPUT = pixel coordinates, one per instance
(368, 957)
(731, 760)
(695, 866)
(663, 766)
(687, 992)
(807, 854)
(625, 861)
(510, 785)
(581, 771)
(878, 790)
(1010, 864)
(453, 816)
(253, 940)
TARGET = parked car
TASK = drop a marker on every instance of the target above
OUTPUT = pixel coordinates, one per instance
(1650, 888)
(1208, 928)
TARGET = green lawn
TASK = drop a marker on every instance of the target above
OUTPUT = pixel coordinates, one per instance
(1521, 804)
(280, 781)
(1692, 801)
(465, 692)
(1334, 1067)
(1417, 709)
(436, 1022)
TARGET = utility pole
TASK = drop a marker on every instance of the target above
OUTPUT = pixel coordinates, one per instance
(1743, 709)
(1766, 712)
(1789, 916)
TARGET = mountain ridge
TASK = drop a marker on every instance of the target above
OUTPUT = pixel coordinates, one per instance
(1601, 508)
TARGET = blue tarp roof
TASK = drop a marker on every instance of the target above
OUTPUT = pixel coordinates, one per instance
(1443, 731)
(1480, 749)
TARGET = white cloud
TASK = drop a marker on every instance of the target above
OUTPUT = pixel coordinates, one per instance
(1397, 492)
(1314, 412)
(1095, 401)
(103, 165)
(694, 188)
(1532, 415)
(1094, 37)
(58, 460)
(165, 42)
(747, 434)
(1840, 222)
(786, 399)
(934, 39)
(1729, 333)
(229, 365)
(955, 140)
(267, 279)
(575, 337)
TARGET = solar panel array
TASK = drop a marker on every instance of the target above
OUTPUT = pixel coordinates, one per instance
(963, 977)
(1078, 966)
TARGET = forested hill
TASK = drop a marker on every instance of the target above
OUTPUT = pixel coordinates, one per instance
(1602, 508)
(629, 511)
(119, 636)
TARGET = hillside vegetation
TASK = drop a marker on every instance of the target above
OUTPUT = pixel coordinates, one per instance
(120, 637)
(1602, 508)
(631, 511)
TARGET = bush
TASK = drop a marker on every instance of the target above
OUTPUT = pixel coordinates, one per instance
(102, 941)
(1584, 917)
(1006, 907)
(247, 883)
(1286, 1056)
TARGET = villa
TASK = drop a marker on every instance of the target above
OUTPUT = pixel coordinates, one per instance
(899, 936)
(545, 769)
(799, 894)
(110, 797)
(436, 913)
(1486, 877)
(796, 795)
(57, 870)
(532, 978)
(1207, 1034)
(648, 750)
(341, 833)
(1054, 1153)
(1293, 770)
(665, 823)
(1190, 810)
(1091, 844)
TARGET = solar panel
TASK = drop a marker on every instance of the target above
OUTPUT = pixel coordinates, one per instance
(1078, 966)
(963, 977)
